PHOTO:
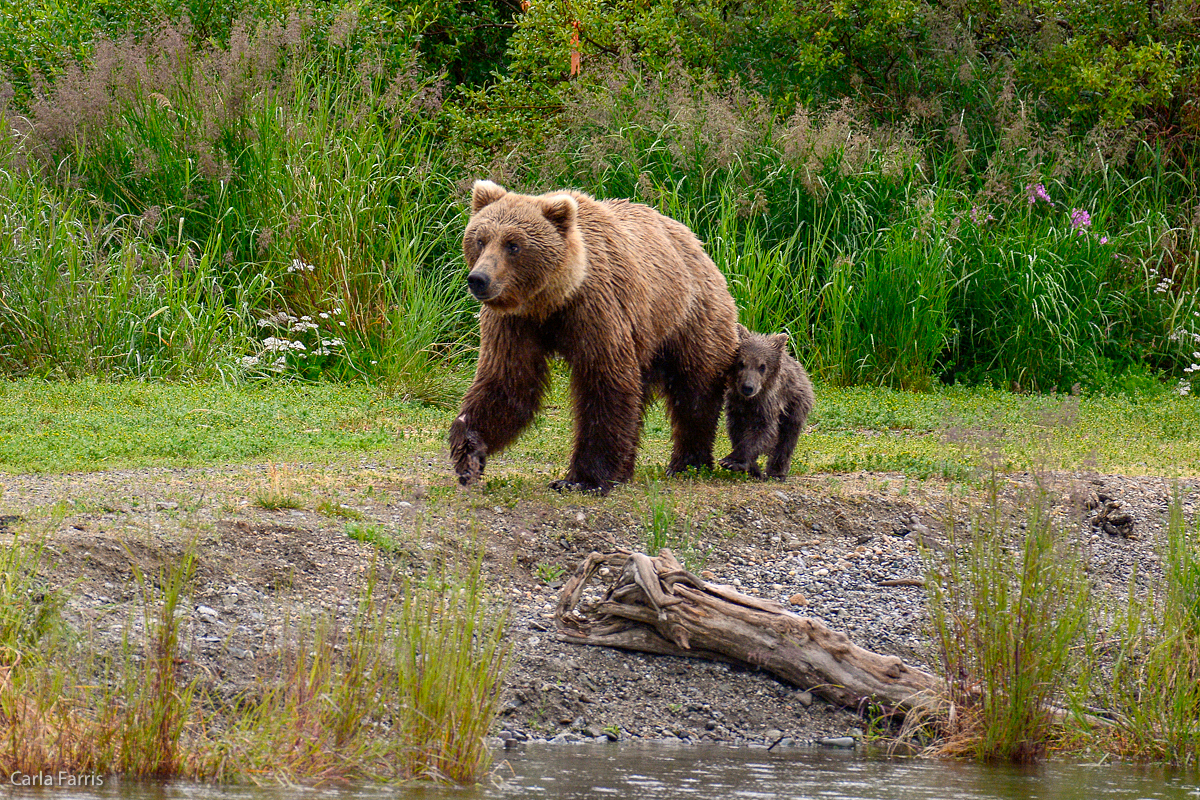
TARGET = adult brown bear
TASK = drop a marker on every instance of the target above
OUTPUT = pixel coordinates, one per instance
(630, 301)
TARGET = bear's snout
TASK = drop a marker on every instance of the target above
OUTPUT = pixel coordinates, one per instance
(480, 284)
(748, 389)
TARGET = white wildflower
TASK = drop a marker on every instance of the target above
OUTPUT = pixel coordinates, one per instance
(249, 362)
(300, 266)
(301, 327)
(274, 345)
(324, 315)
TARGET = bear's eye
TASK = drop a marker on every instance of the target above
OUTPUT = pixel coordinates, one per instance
(481, 241)
(741, 365)
(512, 247)
(762, 369)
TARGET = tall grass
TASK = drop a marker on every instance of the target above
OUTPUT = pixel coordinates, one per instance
(312, 203)
(406, 689)
(1007, 607)
(78, 297)
(889, 261)
(287, 179)
(1156, 674)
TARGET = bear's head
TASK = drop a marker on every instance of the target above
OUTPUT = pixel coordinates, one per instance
(757, 362)
(526, 254)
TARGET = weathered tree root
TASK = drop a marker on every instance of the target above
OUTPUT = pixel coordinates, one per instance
(654, 605)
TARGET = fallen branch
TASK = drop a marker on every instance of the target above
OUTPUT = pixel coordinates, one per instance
(654, 605)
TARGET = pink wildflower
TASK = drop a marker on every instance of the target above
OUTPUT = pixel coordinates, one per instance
(1080, 219)
(1037, 191)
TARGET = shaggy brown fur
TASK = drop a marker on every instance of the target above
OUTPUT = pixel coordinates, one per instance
(767, 404)
(630, 301)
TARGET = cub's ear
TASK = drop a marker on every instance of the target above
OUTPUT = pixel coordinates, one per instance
(484, 194)
(561, 210)
(743, 331)
(778, 341)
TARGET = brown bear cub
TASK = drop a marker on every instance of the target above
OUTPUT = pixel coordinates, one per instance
(628, 299)
(767, 404)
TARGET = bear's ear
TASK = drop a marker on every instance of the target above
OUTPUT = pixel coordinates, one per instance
(778, 341)
(743, 331)
(484, 194)
(561, 210)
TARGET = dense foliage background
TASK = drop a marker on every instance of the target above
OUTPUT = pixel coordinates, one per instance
(919, 191)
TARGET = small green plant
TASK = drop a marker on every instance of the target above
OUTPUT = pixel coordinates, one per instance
(277, 495)
(159, 701)
(550, 573)
(332, 508)
(375, 535)
(664, 528)
(30, 611)
(407, 690)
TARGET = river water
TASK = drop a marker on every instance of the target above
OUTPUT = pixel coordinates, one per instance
(652, 771)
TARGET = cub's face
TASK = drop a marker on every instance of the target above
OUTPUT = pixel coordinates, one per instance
(517, 248)
(757, 361)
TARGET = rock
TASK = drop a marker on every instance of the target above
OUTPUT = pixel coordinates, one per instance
(1115, 519)
(166, 505)
(798, 600)
(804, 698)
(207, 614)
(837, 741)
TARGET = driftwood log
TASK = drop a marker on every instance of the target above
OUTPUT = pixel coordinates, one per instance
(654, 605)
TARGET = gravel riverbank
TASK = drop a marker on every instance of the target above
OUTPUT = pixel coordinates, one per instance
(843, 548)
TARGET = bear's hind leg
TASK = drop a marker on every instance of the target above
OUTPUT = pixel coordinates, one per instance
(608, 420)
(695, 411)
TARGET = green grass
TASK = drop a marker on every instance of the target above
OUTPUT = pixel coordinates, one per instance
(88, 425)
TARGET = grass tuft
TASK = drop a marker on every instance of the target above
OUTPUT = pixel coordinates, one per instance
(1006, 606)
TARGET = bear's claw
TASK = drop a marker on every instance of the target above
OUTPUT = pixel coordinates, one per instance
(580, 486)
(468, 451)
(732, 464)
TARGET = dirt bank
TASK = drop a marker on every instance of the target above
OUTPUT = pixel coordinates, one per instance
(833, 546)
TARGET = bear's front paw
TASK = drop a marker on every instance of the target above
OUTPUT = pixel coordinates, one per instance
(583, 487)
(733, 465)
(468, 452)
